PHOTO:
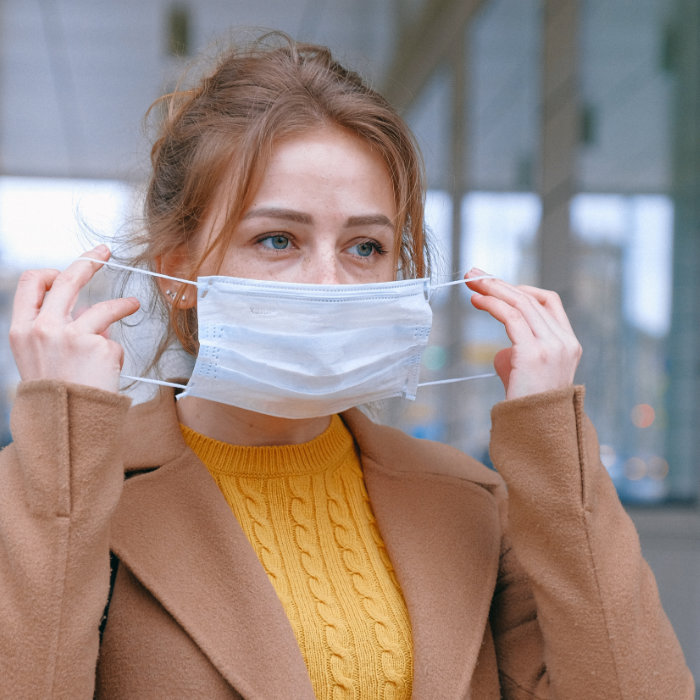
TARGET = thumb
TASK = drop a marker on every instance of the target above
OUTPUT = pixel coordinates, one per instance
(502, 365)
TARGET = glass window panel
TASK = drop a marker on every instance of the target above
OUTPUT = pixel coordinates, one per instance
(41, 225)
(40, 218)
(623, 283)
(635, 264)
(503, 121)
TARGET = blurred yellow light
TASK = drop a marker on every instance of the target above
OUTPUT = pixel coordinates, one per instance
(419, 412)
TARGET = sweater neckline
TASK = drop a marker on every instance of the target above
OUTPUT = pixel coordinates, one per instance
(324, 452)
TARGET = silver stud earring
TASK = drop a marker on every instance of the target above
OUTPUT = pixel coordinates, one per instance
(173, 296)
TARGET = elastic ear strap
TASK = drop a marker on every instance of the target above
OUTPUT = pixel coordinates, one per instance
(458, 379)
(109, 263)
(463, 281)
(148, 380)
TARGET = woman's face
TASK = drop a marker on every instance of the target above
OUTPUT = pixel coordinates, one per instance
(324, 213)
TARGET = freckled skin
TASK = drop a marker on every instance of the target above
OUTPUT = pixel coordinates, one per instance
(326, 193)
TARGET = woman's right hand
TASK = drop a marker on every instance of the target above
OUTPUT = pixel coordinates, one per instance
(48, 342)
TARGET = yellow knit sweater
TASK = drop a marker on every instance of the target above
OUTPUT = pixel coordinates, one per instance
(307, 515)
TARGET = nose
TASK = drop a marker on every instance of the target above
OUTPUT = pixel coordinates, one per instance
(322, 266)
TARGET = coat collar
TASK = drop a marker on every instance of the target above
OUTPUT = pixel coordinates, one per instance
(435, 510)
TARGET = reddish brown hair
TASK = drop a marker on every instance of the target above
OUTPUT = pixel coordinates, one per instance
(222, 131)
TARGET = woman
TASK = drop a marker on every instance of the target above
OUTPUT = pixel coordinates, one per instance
(293, 552)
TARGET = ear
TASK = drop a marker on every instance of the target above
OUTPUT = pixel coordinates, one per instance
(178, 294)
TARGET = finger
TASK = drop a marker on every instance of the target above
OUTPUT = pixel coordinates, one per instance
(542, 310)
(548, 299)
(552, 302)
(68, 284)
(502, 365)
(551, 310)
(514, 303)
(98, 318)
(79, 311)
(31, 290)
(539, 318)
(516, 326)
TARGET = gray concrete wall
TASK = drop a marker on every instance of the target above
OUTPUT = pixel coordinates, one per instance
(670, 540)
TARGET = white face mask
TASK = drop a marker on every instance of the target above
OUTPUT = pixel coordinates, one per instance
(304, 350)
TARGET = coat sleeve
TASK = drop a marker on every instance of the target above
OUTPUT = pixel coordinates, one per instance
(60, 481)
(577, 612)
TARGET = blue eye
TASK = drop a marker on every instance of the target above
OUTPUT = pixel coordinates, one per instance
(278, 242)
(367, 248)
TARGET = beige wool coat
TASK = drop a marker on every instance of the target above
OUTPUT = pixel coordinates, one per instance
(541, 594)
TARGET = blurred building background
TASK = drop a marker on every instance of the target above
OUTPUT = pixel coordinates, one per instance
(562, 146)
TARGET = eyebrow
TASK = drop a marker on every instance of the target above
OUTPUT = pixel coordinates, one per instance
(276, 213)
(369, 220)
(302, 218)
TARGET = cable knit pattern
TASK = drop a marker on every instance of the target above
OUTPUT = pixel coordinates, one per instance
(345, 489)
(342, 658)
(260, 532)
(306, 512)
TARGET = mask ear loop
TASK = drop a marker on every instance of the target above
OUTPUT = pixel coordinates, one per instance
(158, 382)
(433, 287)
(453, 380)
(110, 263)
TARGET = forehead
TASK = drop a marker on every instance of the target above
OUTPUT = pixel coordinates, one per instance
(326, 161)
(327, 175)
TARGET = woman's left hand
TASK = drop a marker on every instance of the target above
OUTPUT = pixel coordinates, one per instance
(545, 352)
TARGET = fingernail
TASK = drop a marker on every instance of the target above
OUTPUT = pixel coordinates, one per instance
(475, 271)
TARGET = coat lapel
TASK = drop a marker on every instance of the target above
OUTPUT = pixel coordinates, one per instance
(174, 530)
(442, 534)
(435, 510)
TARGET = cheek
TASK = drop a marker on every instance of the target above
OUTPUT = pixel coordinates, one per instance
(245, 264)
(386, 270)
